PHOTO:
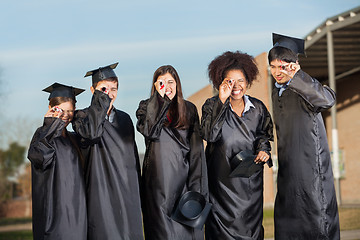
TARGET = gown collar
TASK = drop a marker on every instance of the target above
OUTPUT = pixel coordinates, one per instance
(111, 116)
(282, 87)
(248, 105)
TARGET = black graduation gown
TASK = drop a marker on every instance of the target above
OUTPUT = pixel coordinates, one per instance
(305, 205)
(112, 171)
(174, 164)
(58, 190)
(237, 210)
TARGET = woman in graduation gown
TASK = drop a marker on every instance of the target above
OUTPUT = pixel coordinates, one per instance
(58, 195)
(233, 122)
(174, 160)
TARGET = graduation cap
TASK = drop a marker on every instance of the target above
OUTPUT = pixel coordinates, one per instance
(61, 90)
(191, 210)
(243, 165)
(102, 73)
(296, 45)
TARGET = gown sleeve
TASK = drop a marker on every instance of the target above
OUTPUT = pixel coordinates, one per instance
(197, 180)
(136, 154)
(89, 123)
(213, 116)
(318, 97)
(42, 150)
(264, 134)
(151, 115)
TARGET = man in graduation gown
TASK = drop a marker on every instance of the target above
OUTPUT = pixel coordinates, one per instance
(305, 205)
(112, 167)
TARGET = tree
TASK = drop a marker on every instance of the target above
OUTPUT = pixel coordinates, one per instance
(20, 130)
(10, 161)
(1, 94)
(24, 187)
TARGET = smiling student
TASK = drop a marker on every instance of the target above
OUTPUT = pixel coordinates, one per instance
(305, 204)
(112, 169)
(233, 123)
(174, 160)
(58, 190)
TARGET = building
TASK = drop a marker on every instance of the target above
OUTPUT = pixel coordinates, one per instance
(333, 57)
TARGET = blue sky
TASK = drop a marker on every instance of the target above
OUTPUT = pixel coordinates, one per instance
(43, 42)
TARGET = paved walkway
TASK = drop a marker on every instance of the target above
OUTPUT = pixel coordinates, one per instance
(345, 235)
(16, 227)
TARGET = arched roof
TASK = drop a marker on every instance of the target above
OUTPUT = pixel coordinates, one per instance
(345, 31)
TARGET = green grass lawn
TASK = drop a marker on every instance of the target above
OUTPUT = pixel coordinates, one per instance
(12, 221)
(18, 235)
(349, 220)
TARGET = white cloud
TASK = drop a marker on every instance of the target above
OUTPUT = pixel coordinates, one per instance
(133, 49)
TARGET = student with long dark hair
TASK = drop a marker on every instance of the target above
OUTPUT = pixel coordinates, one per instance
(174, 161)
(58, 191)
(234, 123)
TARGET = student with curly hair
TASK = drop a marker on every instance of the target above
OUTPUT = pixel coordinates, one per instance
(233, 123)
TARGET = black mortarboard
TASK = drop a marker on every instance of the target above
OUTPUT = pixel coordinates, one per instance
(191, 210)
(61, 90)
(243, 165)
(296, 45)
(102, 73)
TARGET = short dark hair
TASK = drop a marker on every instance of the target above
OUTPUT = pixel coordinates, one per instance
(221, 65)
(111, 79)
(283, 54)
(59, 100)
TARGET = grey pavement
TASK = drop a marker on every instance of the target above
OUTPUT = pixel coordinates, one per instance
(16, 227)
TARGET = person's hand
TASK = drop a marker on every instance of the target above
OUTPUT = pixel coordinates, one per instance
(160, 86)
(225, 89)
(289, 69)
(102, 87)
(262, 157)
(55, 112)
